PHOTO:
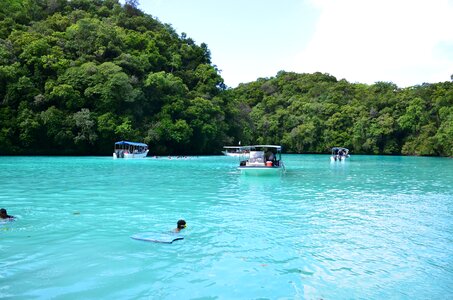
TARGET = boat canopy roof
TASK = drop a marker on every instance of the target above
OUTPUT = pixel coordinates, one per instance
(131, 143)
(233, 147)
(340, 148)
(277, 147)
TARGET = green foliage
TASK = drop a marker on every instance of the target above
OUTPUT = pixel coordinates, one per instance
(314, 112)
(444, 135)
(58, 129)
(76, 76)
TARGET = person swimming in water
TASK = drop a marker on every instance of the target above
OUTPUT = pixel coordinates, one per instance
(4, 215)
(180, 226)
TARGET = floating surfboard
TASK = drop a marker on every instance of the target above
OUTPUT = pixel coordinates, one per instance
(156, 237)
(6, 221)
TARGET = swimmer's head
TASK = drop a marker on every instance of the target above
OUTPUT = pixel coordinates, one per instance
(181, 224)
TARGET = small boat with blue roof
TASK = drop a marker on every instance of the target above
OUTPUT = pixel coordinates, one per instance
(126, 149)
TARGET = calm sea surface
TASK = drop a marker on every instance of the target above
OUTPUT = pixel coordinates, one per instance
(373, 227)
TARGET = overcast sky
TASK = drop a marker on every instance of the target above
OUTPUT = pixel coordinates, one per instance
(407, 42)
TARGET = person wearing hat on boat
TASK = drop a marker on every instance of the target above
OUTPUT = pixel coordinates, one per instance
(4, 215)
(180, 226)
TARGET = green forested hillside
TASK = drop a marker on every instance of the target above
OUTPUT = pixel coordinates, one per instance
(76, 76)
(314, 112)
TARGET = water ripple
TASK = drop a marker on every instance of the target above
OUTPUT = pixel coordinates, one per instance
(372, 228)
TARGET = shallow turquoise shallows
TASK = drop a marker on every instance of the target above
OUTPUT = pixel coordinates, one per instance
(373, 227)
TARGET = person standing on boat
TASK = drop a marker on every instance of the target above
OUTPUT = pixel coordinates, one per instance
(4, 215)
(270, 156)
(180, 226)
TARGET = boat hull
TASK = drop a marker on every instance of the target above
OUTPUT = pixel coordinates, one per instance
(338, 158)
(132, 155)
(260, 171)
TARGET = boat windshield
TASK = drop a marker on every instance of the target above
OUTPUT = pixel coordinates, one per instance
(262, 153)
(257, 157)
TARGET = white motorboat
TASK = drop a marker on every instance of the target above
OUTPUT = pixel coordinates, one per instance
(262, 160)
(235, 151)
(339, 154)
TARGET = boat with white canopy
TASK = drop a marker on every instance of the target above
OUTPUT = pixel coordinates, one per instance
(235, 151)
(339, 154)
(262, 160)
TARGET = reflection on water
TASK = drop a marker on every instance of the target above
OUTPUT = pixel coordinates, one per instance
(372, 227)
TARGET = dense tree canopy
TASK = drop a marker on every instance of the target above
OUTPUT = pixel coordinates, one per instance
(314, 112)
(76, 76)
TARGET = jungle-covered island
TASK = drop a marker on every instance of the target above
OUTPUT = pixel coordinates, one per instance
(76, 76)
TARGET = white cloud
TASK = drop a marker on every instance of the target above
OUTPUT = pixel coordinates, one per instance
(403, 41)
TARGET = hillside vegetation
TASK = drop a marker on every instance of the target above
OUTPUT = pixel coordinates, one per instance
(314, 112)
(76, 76)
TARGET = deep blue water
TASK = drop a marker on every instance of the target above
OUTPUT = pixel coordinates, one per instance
(373, 227)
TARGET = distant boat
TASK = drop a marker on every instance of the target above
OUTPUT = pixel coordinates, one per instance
(125, 149)
(262, 160)
(339, 154)
(235, 151)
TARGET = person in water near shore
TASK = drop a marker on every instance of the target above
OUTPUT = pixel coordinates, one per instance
(4, 215)
(180, 226)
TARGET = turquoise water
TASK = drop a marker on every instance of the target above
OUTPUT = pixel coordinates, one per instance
(373, 227)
